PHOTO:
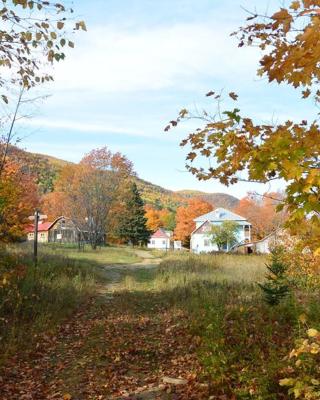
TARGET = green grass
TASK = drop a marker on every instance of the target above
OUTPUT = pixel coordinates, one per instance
(36, 299)
(243, 343)
(102, 256)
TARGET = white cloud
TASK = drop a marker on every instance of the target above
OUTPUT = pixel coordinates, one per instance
(85, 127)
(114, 59)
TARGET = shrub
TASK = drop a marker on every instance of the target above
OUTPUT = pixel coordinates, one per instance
(305, 382)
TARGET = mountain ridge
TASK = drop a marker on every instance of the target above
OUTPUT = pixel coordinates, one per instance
(153, 194)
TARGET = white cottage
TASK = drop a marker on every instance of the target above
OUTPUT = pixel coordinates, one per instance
(160, 240)
(200, 238)
(279, 237)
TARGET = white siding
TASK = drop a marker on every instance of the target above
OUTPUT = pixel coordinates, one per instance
(201, 242)
(159, 243)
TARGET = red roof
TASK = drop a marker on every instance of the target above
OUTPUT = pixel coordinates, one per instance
(44, 227)
(160, 234)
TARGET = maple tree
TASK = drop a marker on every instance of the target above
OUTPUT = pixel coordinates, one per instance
(262, 212)
(237, 148)
(55, 204)
(18, 199)
(160, 218)
(185, 216)
(154, 221)
(89, 191)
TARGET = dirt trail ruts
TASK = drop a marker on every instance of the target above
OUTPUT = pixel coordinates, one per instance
(129, 345)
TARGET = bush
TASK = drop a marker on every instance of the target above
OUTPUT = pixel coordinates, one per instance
(304, 382)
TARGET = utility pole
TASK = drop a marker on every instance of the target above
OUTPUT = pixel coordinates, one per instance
(35, 243)
(36, 217)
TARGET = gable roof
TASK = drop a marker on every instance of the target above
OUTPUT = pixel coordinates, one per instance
(219, 215)
(45, 226)
(200, 228)
(160, 234)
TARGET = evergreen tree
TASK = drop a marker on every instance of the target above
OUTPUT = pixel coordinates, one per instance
(276, 287)
(132, 226)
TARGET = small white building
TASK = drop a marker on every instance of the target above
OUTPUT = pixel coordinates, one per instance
(279, 237)
(200, 238)
(160, 240)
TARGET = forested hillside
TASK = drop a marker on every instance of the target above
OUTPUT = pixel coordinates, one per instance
(47, 169)
(216, 199)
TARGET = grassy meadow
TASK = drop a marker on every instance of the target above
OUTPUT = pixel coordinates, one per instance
(101, 256)
(34, 300)
(242, 343)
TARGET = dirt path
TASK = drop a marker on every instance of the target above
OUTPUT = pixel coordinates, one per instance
(120, 345)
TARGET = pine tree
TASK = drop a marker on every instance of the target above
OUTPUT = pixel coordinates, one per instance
(276, 286)
(132, 226)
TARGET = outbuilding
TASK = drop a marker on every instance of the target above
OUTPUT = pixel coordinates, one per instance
(160, 240)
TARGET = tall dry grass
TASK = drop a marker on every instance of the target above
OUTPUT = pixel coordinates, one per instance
(34, 299)
(243, 343)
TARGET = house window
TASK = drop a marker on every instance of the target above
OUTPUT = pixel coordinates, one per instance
(206, 243)
(153, 242)
(164, 242)
(42, 235)
(247, 231)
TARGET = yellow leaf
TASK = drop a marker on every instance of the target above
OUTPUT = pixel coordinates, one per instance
(317, 252)
(296, 392)
(286, 382)
(303, 318)
(312, 332)
(67, 396)
(295, 5)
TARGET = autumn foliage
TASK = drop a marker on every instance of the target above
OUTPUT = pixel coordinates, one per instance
(233, 147)
(186, 215)
(18, 199)
(261, 212)
(159, 218)
(91, 192)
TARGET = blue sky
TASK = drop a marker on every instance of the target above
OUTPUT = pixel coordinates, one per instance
(140, 62)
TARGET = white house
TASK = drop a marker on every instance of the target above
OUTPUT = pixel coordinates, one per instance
(160, 240)
(200, 237)
(279, 237)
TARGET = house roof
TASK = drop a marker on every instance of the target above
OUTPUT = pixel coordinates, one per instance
(160, 234)
(220, 215)
(200, 228)
(44, 227)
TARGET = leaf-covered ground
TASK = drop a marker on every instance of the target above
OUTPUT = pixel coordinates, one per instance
(125, 345)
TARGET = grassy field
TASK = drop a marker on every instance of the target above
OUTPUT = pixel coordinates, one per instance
(101, 256)
(243, 344)
(199, 317)
(34, 300)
